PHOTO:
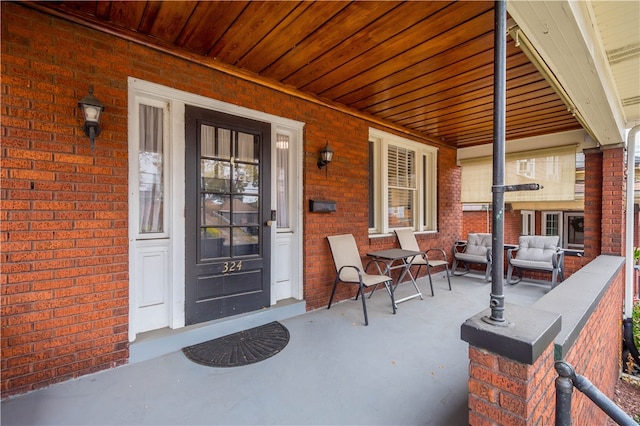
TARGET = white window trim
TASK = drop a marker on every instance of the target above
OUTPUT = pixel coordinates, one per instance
(543, 227)
(528, 214)
(176, 101)
(426, 182)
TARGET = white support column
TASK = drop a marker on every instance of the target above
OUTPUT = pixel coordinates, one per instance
(630, 275)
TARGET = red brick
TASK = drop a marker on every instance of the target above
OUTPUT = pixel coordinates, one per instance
(483, 390)
(483, 357)
(54, 156)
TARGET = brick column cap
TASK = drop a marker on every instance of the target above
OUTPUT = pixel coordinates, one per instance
(524, 337)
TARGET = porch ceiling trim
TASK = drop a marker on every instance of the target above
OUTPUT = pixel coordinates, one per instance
(563, 34)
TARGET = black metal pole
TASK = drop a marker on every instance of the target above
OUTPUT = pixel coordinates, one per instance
(564, 393)
(499, 122)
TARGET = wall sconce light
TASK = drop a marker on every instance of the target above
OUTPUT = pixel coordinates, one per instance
(91, 109)
(326, 155)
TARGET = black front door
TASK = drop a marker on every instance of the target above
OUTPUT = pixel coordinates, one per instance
(227, 199)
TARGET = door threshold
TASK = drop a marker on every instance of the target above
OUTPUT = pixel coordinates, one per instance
(152, 344)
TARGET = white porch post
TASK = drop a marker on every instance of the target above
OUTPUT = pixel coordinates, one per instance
(631, 171)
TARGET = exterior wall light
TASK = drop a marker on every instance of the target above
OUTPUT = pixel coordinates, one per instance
(326, 155)
(91, 109)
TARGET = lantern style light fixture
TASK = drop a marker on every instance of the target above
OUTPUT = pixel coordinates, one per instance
(91, 109)
(326, 155)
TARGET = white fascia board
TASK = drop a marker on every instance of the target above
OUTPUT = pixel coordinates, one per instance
(572, 137)
(566, 38)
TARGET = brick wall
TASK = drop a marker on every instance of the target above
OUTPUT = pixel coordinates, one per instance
(502, 391)
(613, 201)
(481, 221)
(64, 208)
(592, 204)
(596, 353)
(476, 222)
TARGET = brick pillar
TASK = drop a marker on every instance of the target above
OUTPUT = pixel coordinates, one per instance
(508, 392)
(511, 367)
(592, 203)
(613, 201)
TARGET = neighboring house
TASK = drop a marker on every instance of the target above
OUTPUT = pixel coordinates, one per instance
(556, 209)
(194, 203)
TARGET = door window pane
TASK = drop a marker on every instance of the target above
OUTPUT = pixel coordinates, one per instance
(214, 242)
(245, 240)
(247, 147)
(244, 210)
(245, 178)
(229, 192)
(150, 170)
(216, 175)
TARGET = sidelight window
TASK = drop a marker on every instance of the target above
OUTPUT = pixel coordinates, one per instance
(282, 179)
(151, 167)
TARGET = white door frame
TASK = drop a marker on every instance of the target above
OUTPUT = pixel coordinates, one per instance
(176, 100)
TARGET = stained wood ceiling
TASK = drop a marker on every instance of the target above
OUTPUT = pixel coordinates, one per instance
(423, 66)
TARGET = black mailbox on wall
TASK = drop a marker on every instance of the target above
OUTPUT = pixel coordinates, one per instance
(322, 206)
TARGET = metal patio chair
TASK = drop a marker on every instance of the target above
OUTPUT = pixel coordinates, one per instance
(536, 253)
(349, 270)
(477, 249)
(431, 258)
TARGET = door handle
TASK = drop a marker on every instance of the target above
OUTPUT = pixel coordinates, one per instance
(272, 220)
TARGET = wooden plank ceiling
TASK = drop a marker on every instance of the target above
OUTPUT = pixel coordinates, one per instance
(422, 66)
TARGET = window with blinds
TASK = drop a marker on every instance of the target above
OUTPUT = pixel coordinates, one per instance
(401, 179)
(402, 184)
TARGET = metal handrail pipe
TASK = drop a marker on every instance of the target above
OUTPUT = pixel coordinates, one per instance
(585, 386)
(568, 375)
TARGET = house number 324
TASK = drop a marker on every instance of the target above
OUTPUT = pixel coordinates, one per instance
(231, 267)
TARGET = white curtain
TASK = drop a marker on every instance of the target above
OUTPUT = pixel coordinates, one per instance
(151, 165)
(282, 170)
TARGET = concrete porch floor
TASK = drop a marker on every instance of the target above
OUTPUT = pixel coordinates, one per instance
(408, 368)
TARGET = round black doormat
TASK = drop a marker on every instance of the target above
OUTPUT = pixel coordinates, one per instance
(242, 348)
